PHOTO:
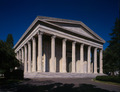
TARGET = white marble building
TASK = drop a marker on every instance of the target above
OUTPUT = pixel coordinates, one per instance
(60, 45)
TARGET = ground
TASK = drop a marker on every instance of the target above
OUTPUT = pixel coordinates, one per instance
(59, 85)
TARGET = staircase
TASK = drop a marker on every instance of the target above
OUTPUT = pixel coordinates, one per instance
(60, 75)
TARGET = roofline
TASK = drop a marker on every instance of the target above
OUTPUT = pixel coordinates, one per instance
(72, 22)
(46, 19)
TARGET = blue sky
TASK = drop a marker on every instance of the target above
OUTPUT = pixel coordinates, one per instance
(17, 15)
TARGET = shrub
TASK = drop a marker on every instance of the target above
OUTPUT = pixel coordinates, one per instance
(15, 74)
(109, 78)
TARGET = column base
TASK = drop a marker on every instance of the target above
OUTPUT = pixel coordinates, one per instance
(95, 73)
(53, 65)
(39, 71)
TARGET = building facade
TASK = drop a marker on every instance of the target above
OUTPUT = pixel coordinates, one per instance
(60, 45)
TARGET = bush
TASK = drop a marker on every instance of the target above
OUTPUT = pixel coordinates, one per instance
(109, 78)
(15, 74)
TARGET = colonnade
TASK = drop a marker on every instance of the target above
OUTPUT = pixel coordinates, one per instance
(27, 55)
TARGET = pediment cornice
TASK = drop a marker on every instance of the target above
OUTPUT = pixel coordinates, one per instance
(50, 21)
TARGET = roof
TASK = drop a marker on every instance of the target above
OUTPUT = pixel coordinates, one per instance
(54, 21)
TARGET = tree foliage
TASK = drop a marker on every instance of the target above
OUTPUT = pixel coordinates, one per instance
(7, 55)
(9, 40)
(112, 52)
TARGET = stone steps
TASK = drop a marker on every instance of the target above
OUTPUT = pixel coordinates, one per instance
(60, 75)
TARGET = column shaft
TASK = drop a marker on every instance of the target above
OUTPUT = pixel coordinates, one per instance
(29, 56)
(95, 60)
(89, 58)
(34, 55)
(25, 63)
(22, 56)
(73, 56)
(64, 55)
(81, 57)
(53, 46)
(39, 52)
(53, 63)
(101, 62)
(17, 54)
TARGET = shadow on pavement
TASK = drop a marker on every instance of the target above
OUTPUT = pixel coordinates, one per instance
(51, 86)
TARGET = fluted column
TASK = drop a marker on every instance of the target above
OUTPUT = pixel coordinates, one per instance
(64, 55)
(17, 55)
(34, 55)
(81, 57)
(22, 56)
(39, 51)
(53, 62)
(101, 61)
(73, 56)
(25, 63)
(29, 56)
(95, 60)
(89, 58)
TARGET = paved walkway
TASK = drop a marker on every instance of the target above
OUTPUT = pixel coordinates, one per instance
(60, 85)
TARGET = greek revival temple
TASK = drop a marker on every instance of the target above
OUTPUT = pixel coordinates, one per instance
(60, 45)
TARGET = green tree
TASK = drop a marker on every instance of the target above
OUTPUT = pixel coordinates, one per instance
(112, 52)
(7, 55)
(9, 40)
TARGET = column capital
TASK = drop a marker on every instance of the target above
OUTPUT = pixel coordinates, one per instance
(82, 44)
(33, 38)
(95, 48)
(21, 48)
(74, 42)
(53, 36)
(89, 46)
(29, 42)
(64, 40)
(25, 46)
(40, 33)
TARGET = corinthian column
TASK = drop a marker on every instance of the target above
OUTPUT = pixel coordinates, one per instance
(81, 57)
(101, 62)
(64, 55)
(34, 55)
(53, 61)
(95, 60)
(73, 56)
(89, 58)
(25, 63)
(29, 56)
(40, 51)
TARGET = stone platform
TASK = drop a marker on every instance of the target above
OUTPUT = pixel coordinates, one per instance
(60, 75)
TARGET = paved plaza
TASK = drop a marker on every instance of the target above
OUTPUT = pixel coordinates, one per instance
(60, 85)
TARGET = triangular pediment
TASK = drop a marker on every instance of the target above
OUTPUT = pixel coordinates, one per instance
(73, 26)
(76, 29)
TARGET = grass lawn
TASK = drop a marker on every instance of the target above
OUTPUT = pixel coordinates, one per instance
(106, 82)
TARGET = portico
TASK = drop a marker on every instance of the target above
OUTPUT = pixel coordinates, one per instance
(58, 45)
